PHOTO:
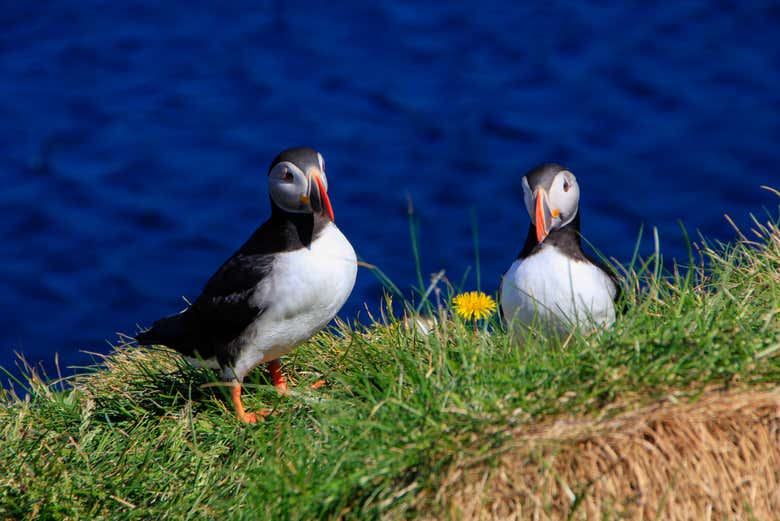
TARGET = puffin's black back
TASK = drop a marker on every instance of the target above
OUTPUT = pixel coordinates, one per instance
(218, 317)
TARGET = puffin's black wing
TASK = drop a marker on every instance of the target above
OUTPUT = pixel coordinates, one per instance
(227, 305)
(225, 308)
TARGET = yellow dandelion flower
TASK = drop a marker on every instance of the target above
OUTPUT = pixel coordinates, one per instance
(474, 305)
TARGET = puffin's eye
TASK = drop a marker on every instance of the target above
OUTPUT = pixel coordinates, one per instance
(288, 176)
(566, 185)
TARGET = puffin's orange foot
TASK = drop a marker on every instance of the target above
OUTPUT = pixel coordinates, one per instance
(243, 416)
(277, 377)
(282, 389)
(317, 384)
(249, 417)
(253, 418)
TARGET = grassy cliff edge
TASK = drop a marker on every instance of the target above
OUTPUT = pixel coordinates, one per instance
(672, 413)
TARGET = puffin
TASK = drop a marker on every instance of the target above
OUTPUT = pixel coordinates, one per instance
(286, 283)
(553, 283)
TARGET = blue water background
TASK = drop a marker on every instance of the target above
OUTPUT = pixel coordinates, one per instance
(135, 138)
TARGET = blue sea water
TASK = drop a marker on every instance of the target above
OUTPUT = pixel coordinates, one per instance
(135, 138)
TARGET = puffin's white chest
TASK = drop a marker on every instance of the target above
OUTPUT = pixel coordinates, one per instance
(303, 292)
(551, 288)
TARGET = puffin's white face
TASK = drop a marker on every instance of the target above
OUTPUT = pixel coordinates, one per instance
(553, 206)
(296, 191)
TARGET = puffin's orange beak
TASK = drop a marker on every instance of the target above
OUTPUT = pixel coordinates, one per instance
(326, 207)
(542, 216)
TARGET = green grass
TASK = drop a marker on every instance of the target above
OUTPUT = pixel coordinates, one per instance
(145, 436)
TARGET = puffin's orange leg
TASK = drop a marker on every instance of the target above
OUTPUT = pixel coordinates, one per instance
(277, 377)
(241, 414)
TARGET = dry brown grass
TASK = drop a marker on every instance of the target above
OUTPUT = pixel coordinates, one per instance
(716, 458)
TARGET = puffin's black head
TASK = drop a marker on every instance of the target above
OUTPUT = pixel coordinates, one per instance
(552, 197)
(297, 182)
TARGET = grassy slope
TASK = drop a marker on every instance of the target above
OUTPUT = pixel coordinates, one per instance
(147, 437)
